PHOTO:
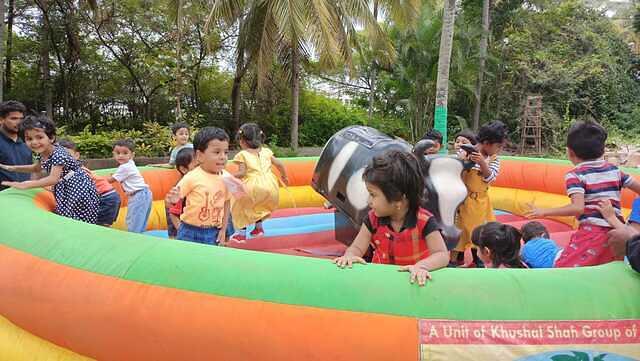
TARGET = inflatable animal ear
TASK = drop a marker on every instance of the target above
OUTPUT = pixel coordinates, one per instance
(444, 190)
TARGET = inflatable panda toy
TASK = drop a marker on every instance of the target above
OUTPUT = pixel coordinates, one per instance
(338, 178)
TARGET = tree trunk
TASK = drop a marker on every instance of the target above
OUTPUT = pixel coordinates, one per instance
(236, 93)
(44, 62)
(2, 48)
(484, 43)
(374, 69)
(236, 101)
(7, 76)
(444, 61)
(178, 62)
(295, 95)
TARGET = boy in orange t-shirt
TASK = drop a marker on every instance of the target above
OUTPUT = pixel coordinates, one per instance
(206, 210)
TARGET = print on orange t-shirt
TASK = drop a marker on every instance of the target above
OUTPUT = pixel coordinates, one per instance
(206, 194)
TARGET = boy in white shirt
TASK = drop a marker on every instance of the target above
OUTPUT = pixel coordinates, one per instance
(140, 197)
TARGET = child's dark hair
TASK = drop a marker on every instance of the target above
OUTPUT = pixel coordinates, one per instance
(184, 158)
(11, 106)
(502, 240)
(587, 140)
(69, 144)
(533, 230)
(38, 122)
(127, 143)
(494, 132)
(177, 126)
(398, 175)
(434, 135)
(207, 134)
(251, 134)
(469, 134)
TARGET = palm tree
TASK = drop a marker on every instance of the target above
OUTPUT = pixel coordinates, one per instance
(444, 60)
(401, 13)
(291, 31)
(176, 7)
(484, 42)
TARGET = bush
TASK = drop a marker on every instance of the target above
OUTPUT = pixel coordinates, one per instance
(320, 118)
(154, 140)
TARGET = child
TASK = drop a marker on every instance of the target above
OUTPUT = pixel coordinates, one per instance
(181, 136)
(476, 209)
(254, 168)
(207, 204)
(498, 245)
(465, 137)
(539, 251)
(140, 197)
(109, 198)
(631, 228)
(76, 195)
(611, 216)
(435, 136)
(185, 162)
(592, 180)
(397, 228)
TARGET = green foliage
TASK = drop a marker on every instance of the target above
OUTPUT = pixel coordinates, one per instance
(153, 140)
(571, 55)
(321, 117)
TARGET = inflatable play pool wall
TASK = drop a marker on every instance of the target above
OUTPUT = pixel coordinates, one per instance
(69, 290)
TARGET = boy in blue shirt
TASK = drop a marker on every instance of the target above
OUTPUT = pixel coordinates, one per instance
(539, 251)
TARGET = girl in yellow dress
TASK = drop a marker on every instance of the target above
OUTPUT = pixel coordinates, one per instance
(476, 209)
(254, 163)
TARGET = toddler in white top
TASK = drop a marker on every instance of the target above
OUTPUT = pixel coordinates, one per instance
(133, 184)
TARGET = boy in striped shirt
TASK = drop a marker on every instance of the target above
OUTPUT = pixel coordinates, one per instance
(590, 182)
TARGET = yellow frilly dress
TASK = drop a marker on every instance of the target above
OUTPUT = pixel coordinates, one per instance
(262, 188)
(476, 209)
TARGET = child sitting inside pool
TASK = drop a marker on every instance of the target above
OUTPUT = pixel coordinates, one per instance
(539, 251)
(498, 245)
(397, 228)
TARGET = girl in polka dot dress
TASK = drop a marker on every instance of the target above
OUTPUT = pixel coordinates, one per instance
(76, 195)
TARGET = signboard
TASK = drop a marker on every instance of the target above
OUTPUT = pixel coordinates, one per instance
(530, 340)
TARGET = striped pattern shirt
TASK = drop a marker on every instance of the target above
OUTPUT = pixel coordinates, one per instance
(597, 180)
(494, 168)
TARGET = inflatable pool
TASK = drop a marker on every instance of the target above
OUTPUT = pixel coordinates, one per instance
(70, 291)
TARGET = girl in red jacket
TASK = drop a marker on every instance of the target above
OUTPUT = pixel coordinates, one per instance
(397, 228)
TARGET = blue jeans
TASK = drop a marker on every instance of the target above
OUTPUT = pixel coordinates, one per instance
(190, 233)
(138, 210)
(109, 208)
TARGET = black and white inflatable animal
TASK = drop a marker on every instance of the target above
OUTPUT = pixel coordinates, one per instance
(338, 177)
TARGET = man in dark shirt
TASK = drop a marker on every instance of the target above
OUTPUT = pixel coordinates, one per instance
(13, 151)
